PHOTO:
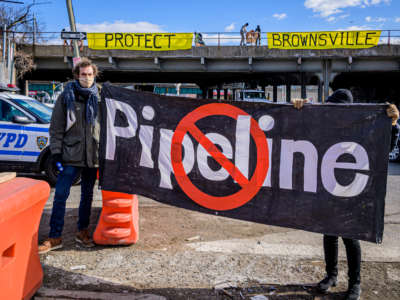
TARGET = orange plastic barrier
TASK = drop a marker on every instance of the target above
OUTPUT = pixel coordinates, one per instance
(21, 204)
(119, 220)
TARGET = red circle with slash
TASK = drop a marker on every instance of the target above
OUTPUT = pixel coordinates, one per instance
(249, 187)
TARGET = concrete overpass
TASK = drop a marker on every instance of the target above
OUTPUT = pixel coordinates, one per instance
(371, 73)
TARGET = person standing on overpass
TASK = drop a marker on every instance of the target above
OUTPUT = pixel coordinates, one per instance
(243, 32)
(258, 32)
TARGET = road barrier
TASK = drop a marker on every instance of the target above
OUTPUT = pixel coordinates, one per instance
(21, 205)
(119, 220)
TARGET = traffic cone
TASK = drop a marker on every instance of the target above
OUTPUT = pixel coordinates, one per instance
(119, 219)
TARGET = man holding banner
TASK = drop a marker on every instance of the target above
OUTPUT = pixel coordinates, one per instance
(353, 248)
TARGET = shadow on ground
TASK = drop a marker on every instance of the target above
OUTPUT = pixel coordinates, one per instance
(62, 280)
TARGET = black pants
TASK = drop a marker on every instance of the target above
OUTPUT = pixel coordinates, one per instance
(353, 252)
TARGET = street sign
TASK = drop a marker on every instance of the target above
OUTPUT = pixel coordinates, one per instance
(70, 35)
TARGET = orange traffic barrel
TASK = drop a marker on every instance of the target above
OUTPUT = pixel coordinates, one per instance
(119, 220)
(21, 204)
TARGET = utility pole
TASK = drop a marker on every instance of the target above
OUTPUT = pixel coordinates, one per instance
(73, 28)
(34, 29)
(4, 41)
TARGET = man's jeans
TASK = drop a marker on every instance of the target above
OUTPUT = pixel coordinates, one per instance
(353, 252)
(63, 186)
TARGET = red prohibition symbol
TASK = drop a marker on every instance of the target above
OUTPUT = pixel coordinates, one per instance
(249, 188)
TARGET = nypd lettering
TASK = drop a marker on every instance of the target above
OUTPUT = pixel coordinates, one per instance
(23, 143)
(13, 140)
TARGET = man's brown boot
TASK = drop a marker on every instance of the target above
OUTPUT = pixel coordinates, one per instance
(83, 238)
(50, 244)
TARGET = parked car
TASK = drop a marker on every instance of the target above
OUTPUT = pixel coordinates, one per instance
(395, 154)
(24, 136)
(49, 102)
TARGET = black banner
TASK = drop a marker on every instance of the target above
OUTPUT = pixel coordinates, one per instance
(322, 168)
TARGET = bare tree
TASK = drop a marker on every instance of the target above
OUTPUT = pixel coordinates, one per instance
(21, 20)
(22, 27)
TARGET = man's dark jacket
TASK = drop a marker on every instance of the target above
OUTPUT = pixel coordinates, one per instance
(80, 144)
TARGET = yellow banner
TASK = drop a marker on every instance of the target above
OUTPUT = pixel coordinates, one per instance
(324, 40)
(140, 41)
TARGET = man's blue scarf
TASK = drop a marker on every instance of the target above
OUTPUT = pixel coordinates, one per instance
(90, 94)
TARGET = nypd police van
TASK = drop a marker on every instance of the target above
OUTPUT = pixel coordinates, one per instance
(24, 135)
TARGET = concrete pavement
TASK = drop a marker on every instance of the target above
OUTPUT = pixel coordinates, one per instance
(230, 253)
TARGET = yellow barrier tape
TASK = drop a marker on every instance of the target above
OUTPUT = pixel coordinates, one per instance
(140, 41)
(324, 40)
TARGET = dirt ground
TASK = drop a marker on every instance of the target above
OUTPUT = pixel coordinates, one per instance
(163, 263)
(183, 254)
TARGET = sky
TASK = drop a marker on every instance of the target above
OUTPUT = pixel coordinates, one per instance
(208, 16)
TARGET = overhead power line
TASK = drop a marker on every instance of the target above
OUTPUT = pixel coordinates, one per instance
(17, 2)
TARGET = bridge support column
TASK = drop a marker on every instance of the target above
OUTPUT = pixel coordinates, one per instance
(303, 87)
(26, 89)
(320, 91)
(203, 92)
(288, 90)
(326, 73)
(263, 89)
(225, 94)
(275, 93)
(210, 94)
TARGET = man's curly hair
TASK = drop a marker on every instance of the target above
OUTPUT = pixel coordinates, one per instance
(85, 62)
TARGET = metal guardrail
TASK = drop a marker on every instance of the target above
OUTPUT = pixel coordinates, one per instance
(388, 37)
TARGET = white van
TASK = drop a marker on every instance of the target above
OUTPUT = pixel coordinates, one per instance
(251, 96)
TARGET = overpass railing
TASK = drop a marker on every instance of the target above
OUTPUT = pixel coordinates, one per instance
(388, 37)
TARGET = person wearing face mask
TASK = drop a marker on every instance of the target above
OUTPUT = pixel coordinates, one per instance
(74, 139)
